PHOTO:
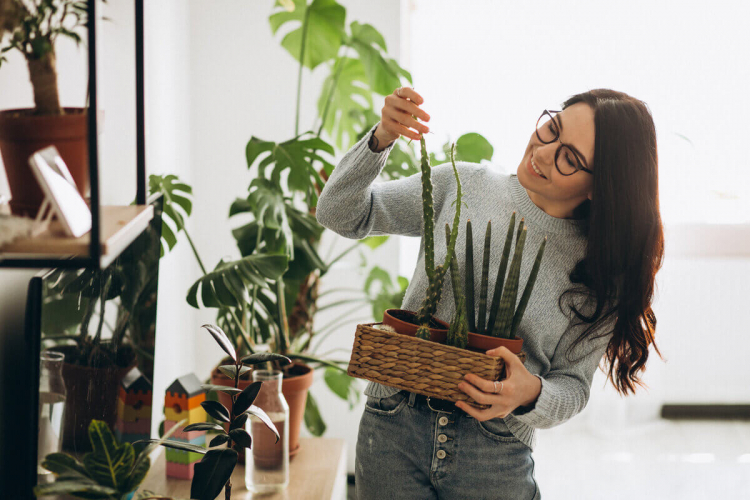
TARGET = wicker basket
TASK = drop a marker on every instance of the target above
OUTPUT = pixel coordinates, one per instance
(419, 366)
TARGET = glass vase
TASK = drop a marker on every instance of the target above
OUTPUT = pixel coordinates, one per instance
(51, 406)
(267, 462)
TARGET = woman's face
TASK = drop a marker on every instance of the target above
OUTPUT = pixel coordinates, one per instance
(558, 195)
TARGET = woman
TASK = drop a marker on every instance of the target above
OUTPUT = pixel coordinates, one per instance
(587, 181)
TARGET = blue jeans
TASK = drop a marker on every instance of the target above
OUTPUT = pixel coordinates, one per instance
(405, 450)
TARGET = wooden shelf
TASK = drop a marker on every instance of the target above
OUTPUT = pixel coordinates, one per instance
(120, 225)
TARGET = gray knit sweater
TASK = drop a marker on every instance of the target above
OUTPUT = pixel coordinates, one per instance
(355, 207)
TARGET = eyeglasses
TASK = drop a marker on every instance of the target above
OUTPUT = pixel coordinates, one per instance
(548, 131)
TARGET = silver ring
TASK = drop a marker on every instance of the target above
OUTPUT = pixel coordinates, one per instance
(501, 387)
(398, 91)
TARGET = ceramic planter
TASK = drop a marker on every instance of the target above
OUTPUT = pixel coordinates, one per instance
(483, 343)
(22, 133)
(404, 322)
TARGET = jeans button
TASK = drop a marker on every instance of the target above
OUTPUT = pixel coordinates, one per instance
(443, 421)
(441, 454)
(442, 438)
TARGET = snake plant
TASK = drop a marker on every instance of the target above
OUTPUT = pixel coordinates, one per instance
(504, 317)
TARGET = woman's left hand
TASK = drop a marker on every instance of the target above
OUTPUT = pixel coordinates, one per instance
(519, 388)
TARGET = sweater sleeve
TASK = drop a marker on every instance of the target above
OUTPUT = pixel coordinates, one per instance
(354, 206)
(567, 386)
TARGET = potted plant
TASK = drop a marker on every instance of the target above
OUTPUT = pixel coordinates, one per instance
(214, 471)
(424, 365)
(420, 323)
(112, 471)
(503, 322)
(32, 27)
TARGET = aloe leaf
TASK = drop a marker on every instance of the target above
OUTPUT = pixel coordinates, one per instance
(508, 302)
(469, 277)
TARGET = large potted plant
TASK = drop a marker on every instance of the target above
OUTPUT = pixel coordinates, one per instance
(32, 28)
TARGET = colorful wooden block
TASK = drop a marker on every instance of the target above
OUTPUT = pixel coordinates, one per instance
(130, 413)
(142, 426)
(135, 389)
(181, 435)
(182, 456)
(130, 438)
(193, 416)
(180, 471)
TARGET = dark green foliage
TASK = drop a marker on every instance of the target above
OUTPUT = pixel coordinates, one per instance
(485, 278)
(501, 275)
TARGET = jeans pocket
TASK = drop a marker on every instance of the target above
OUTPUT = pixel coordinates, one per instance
(496, 429)
(386, 406)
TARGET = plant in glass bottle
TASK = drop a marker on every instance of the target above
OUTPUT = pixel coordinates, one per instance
(214, 471)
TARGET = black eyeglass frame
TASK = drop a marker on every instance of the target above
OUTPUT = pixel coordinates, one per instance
(556, 128)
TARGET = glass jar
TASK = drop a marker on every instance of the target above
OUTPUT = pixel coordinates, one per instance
(267, 462)
(51, 406)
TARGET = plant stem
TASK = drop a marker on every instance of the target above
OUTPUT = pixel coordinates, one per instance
(284, 326)
(337, 69)
(195, 251)
(301, 65)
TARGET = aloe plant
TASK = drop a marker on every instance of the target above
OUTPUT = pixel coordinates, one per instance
(435, 275)
(504, 317)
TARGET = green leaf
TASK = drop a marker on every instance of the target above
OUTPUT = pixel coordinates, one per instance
(212, 473)
(258, 412)
(252, 270)
(383, 73)
(61, 464)
(349, 103)
(270, 209)
(221, 338)
(75, 487)
(231, 370)
(221, 388)
(297, 155)
(374, 241)
(325, 30)
(216, 410)
(176, 195)
(204, 426)
(342, 385)
(263, 357)
(474, 148)
(238, 422)
(108, 463)
(241, 437)
(218, 440)
(177, 445)
(246, 398)
(313, 420)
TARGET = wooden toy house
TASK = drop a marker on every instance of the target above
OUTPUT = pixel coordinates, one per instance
(134, 401)
(183, 400)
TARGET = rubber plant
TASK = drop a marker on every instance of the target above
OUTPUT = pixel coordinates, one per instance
(215, 469)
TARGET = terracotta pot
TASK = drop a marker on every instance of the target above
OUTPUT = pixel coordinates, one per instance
(22, 133)
(405, 323)
(293, 388)
(91, 393)
(483, 343)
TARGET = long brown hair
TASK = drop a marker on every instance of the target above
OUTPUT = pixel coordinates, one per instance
(625, 235)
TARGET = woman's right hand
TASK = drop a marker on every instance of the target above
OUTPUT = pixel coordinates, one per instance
(396, 117)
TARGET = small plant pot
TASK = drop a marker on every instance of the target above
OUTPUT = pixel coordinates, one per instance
(483, 343)
(405, 323)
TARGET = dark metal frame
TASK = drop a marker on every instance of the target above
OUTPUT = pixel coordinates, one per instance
(575, 152)
(94, 259)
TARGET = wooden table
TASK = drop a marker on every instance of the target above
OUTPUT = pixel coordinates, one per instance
(317, 472)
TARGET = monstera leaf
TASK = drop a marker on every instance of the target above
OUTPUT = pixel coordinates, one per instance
(383, 73)
(387, 296)
(297, 155)
(325, 29)
(226, 284)
(347, 102)
(471, 147)
(177, 206)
